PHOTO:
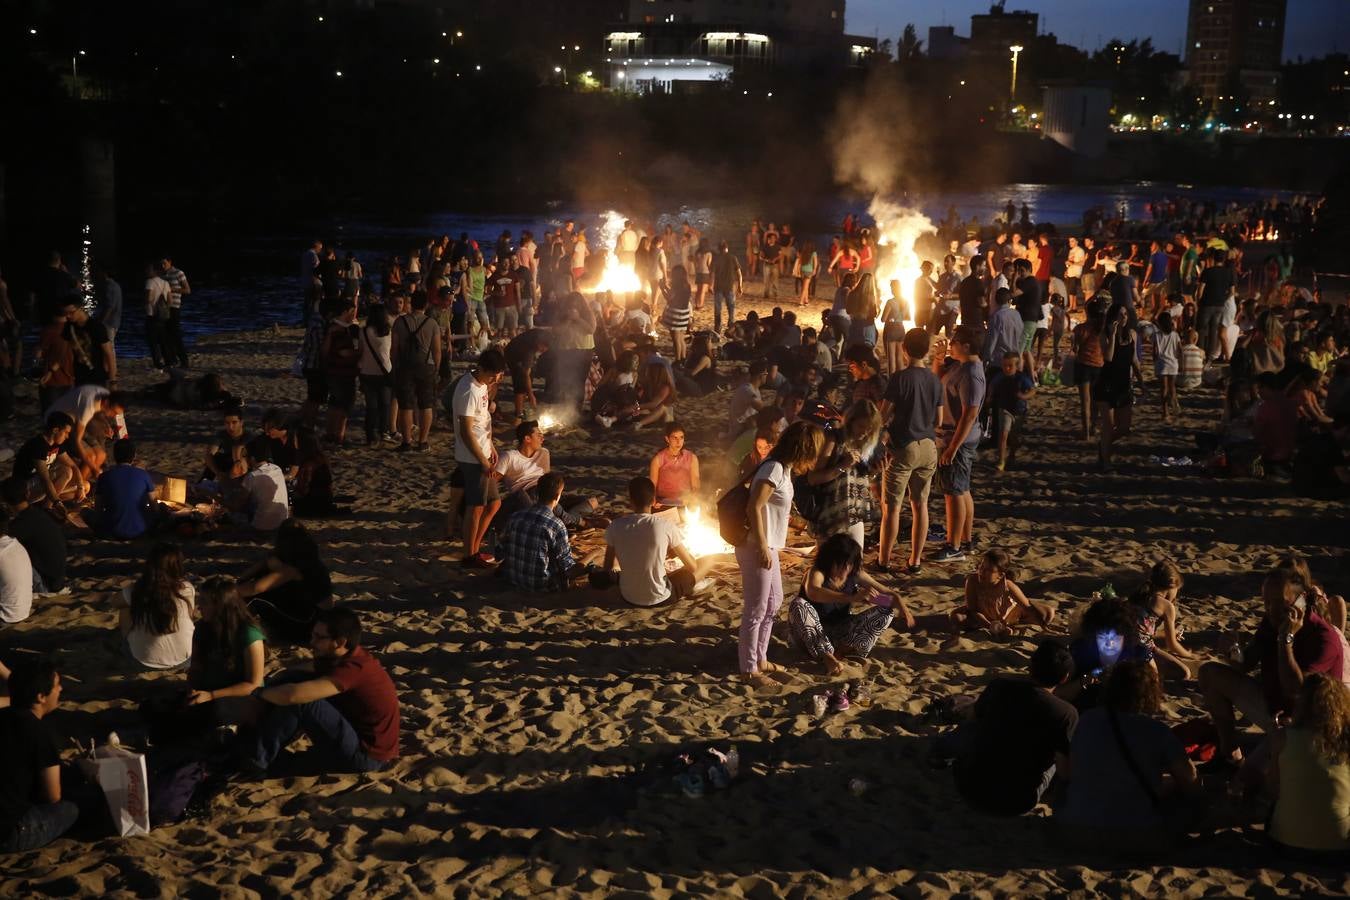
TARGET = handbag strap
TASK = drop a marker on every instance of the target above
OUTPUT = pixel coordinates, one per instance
(1129, 758)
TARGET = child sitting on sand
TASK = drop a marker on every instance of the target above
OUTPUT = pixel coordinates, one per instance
(1154, 604)
(994, 602)
(832, 588)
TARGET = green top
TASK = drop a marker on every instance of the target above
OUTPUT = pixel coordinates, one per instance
(477, 281)
(1313, 810)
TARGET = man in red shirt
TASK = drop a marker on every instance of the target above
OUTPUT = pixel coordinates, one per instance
(349, 708)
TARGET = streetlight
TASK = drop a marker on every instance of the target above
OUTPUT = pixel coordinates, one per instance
(1016, 49)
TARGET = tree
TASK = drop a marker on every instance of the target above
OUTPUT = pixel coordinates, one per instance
(911, 48)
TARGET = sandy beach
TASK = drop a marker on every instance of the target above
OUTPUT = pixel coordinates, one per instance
(532, 723)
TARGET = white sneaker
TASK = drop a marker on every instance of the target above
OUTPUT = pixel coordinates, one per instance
(703, 587)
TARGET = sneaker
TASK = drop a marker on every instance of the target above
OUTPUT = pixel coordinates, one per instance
(937, 535)
(949, 554)
(703, 587)
(487, 557)
(967, 546)
(478, 561)
(913, 571)
(403, 448)
(838, 701)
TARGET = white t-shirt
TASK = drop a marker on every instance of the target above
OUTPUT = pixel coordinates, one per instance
(375, 352)
(779, 507)
(79, 403)
(16, 581)
(628, 241)
(164, 651)
(1074, 267)
(471, 399)
(157, 290)
(520, 472)
(266, 489)
(641, 543)
(743, 401)
(579, 256)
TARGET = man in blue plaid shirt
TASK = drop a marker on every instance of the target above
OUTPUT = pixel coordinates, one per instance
(534, 550)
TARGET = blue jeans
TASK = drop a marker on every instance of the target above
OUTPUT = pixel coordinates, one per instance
(41, 824)
(333, 736)
(720, 297)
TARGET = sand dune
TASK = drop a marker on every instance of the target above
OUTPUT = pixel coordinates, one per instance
(532, 722)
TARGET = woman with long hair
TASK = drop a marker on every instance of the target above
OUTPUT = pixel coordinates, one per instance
(846, 473)
(1310, 769)
(893, 329)
(1114, 394)
(1088, 359)
(808, 267)
(863, 306)
(157, 611)
(229, 653)
(1130, 774)
(656, 388)
(832, 589)
(767, 512)
(290, 587)
(677, 312)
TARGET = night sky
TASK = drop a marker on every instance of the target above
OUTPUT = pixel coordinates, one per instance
(1314, 27)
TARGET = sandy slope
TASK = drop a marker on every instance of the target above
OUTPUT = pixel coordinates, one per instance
(528, 717)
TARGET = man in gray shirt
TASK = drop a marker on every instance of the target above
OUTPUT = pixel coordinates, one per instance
(911, 407)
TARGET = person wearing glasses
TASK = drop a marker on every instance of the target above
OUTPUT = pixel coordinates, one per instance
(348, 706)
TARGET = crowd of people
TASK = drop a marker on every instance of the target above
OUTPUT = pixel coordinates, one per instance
(839, 419)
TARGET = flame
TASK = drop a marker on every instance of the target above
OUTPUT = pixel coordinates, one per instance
(617, 277)
(702, 538)
(546, 422)
(900, 228)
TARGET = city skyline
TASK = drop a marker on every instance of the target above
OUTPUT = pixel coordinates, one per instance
(1314, 27)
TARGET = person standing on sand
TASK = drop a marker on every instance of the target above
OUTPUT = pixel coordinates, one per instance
(964, 388)
(476, 455)
(349, 707)
(767, 514)
(416, 352)
(912, 408)
(727, 284)
(175, 351)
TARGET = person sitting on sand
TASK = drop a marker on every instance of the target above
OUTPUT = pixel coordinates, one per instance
(38, 529)
(291, 587)
(746, 399)
(536, 554)
(261, 500)
(1019, 740)
(674, 470)
(641, 543)
(1292, 641)
(229, 653)
(1154, 605)
(42, 462)
(1310, 773)
(1131, 786)
(313, 495)
(85, 405)
(769, 418)
(833, 585)
(125, 504)
(656, 394)
(1107, 634)
(348, 706)
(224, 462)
(32, 812)
(155, 614)
(16, 576)
(994, 603)
(283, 438)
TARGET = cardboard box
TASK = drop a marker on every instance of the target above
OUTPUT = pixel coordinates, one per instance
(175, 490)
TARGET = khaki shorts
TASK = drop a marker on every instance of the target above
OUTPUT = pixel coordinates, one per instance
(912, 467)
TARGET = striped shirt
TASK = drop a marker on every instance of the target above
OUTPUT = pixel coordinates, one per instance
(177, 281)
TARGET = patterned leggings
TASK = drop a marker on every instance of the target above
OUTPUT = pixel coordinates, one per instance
(860, 632)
